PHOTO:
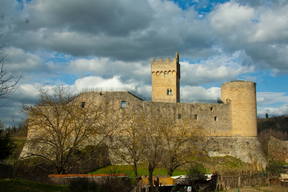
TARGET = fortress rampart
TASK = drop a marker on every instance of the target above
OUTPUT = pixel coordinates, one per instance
(230, 125)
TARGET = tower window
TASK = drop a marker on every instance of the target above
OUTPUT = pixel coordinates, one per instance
(169, 91)
(179, 116)
(123, 103)
(165, 74)
(83, 105)
(211, 108)
(195, 117)
(215, 118)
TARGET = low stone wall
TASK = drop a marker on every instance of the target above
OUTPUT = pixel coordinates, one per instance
(277, 150)
(247, 149)
(230, 182)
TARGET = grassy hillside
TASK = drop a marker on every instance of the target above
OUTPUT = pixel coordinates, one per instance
(279, 123)
(129, 171)
(19, 185)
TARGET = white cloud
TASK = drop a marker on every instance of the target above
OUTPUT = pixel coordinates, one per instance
(96, 82)
(268, 98)
(213, 70)
(267, 102)
(200, 93)
(231, 17)
(273, 111)
(272, 26)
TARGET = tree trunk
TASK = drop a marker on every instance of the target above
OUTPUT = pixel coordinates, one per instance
(135, 172)
(157, 182)
(170, 171)
(150, 169)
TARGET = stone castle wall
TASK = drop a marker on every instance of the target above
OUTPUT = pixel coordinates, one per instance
(214, 118)
(248, 149)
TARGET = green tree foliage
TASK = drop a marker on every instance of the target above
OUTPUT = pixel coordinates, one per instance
(6, 144)
(279, 123)
(20, 131)
(196, 173)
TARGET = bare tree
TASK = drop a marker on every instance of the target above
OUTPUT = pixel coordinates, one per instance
(7, 82)
(184, 140)
(264, 137)
(154, 144)
(61, 125)
(127, 142)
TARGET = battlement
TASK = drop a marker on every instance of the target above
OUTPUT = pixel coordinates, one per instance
(166, 60)
(160, 60)
(166, 65)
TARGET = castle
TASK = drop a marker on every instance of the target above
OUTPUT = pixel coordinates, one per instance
(230, 124)
(234, 116)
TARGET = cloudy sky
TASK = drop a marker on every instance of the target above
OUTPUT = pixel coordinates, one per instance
(110, 43)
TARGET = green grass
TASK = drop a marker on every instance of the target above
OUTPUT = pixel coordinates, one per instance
(19, 141)
(20, 185)
(129, 171)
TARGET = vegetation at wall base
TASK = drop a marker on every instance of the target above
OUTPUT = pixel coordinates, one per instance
(142, 171)
(110, 184)
(7, 146)
(211, 165)
(20, 185)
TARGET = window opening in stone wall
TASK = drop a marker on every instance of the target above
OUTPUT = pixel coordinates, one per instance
(179, 116)
(215, 118)
(195, 117)
(169, 91)
(123, 103)
(165, 74)
(83, 105)
(211, 108)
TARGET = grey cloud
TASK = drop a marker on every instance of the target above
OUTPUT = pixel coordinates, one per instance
(18, 61)
(267, 56)
(116, 18)
(259, 3)
(254, 3)
(124, 30)
(132, 31)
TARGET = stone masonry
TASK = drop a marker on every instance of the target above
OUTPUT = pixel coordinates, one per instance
(230, 125)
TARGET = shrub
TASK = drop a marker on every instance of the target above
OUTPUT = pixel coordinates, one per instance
(109, 184)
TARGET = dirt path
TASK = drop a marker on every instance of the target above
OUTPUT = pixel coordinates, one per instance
(264, 189)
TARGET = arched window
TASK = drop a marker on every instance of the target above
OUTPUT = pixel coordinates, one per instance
(169, 91)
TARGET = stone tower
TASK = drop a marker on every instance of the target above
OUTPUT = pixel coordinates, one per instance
(241, 95)
(165, 80)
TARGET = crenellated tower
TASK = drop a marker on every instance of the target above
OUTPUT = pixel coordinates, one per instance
(166, 80)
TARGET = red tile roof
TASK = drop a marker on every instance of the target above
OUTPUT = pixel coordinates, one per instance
(88, 175)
